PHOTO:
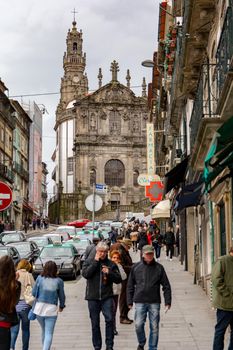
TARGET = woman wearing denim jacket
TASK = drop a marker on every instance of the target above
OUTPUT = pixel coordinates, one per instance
(47, 290)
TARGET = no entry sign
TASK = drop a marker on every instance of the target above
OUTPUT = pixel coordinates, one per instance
(5, 196)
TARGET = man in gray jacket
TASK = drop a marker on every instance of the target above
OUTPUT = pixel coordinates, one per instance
(145, 280)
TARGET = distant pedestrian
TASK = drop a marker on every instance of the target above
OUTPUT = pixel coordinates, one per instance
(157, 240)
(134, 238)
(146, 296)
(38, 223)
(112, 235)
(142, 240)
(100, 274)
(169, 239)
(25, 278)
(116, 258)
(222, 280)
(123, 247)
(1, 226)
(48, 289)
(9, 296)
(34, 223)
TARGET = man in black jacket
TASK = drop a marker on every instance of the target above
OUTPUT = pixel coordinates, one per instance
(143, 289)
(101, 273)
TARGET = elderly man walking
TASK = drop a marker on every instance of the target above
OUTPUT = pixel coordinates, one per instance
(101, 273)
(145, 280)
(222, 279)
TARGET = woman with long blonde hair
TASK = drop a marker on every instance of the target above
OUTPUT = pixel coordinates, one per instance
(22, 308)
(9, 295)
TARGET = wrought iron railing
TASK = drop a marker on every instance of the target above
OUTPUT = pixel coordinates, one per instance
(18, 168)
(224, 53)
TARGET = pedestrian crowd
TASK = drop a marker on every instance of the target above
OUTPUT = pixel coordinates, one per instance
(112, 281)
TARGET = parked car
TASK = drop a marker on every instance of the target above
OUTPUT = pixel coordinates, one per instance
(12, 236)
(28, 250)
(71, 230)
(64, 255)
(10, 251)
(41, 241)
(78, 223)
(81, 244)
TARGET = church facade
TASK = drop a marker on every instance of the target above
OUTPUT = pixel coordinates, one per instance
(101, 138)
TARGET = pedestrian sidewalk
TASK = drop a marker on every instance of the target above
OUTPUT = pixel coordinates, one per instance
(189, 325)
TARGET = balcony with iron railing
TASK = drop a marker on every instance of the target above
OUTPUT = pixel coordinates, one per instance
(224, 57)
(19, 169)
(6, 173)
(204, 120)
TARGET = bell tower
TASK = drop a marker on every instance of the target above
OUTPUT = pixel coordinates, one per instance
(74, 83)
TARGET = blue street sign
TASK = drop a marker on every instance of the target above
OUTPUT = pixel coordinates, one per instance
(101, 188)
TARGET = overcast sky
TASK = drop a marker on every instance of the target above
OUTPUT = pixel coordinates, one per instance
(33, 40)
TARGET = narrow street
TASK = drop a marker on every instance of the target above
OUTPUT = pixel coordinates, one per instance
(188, 325)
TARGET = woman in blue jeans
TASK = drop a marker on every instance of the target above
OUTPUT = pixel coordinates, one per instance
(48, 289)
(25, 278)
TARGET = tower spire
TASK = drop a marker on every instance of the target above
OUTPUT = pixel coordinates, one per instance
(114, 69)
(144, 87)
(128, 77)
(100, 77)
(74, 20)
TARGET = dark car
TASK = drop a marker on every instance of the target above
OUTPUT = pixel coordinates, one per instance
(81, 244)
(41, 241)
(12, 236)
(64, 255)
(10, 251)
(27, 250)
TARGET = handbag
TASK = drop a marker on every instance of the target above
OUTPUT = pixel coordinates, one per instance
(29, 298)
(31, 315)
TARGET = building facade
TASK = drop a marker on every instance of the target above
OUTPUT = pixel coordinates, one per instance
(21, 207)
(196, 55)
(101, 138)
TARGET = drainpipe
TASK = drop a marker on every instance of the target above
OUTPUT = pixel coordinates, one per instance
(211, 232)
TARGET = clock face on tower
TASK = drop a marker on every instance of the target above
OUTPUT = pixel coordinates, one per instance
(75, 79)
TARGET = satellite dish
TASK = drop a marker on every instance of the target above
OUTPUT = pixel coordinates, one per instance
(89, 202)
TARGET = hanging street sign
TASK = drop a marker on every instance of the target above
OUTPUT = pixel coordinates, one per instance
(5, 196)
(150, 142)
(146, 179)
(154, 191)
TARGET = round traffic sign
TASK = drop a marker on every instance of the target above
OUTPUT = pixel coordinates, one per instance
(5, 196)
(89, 202)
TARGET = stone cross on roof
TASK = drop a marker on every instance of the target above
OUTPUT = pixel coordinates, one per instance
(114, 69)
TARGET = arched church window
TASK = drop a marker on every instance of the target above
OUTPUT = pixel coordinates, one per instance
(135, 178)
(92, 176)
(75, 46)
(114, 173)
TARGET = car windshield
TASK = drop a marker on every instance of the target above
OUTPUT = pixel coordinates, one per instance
(3, 252)
(56, 252)
(70, 230)
(23, 248)
(13, 237)
(55, 238)
(41, 242)
(81, 244)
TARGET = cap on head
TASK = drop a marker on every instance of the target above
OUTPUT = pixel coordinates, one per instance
(147, 249)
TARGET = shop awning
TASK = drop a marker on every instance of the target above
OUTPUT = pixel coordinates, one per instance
(161, 210)
(176, 176)
(220, 154)
(189, 196)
